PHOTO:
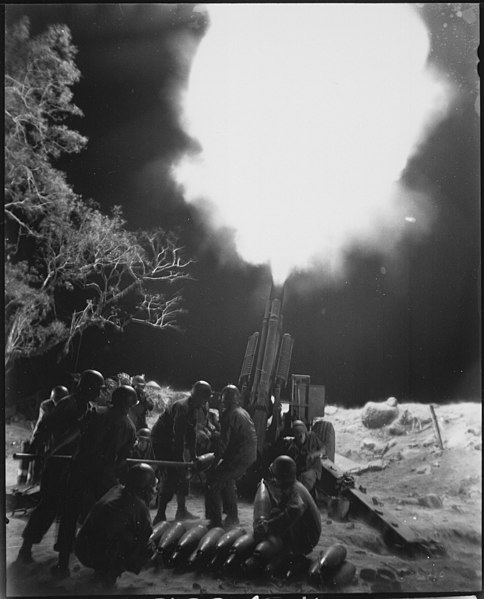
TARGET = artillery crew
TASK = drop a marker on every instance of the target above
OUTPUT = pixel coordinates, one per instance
(110, 499)
(235, 453)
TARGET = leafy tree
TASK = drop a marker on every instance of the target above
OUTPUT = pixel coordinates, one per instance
(68, 265)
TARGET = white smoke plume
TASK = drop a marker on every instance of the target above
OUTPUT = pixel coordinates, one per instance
(307, 116)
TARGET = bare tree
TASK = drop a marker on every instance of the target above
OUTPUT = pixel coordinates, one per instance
(68, 265)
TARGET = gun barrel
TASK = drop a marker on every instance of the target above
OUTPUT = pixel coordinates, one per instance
(284, 360)
(248, 363)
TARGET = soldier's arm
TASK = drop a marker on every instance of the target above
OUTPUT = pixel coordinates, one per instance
(287, 516)
(46, 426)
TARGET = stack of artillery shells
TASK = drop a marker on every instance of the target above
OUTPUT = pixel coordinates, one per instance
(183, 545)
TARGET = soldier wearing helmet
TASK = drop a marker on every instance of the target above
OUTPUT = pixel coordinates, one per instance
(173, 436)
(107, 440)
(114, 537)
(60, 429)
(48, 405)
(294, 516)
(138, 412)
(305, 448)
(143, 449)
(34, 467)
(235, 453)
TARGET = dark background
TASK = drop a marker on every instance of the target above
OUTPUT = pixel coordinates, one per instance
(407, 326)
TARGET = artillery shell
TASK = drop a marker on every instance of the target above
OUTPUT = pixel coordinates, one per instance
(268, 548)
(239, 551)
(224, 545)
(343, 576)
(262, 503)
(231, 563)
(314, 571)
(208, 543)
(159, 530)
(187, 543)
(171, 538)
(243, 545)
(193, 559)
(332, 558)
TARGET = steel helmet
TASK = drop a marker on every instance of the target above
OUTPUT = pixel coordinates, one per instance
(202, 390)
(230, 394)
(140, 477)
(124, 396)
(299, 424)
(138, 379)
(58, 393)
(91, 379)
(144, 433)
(283, 468)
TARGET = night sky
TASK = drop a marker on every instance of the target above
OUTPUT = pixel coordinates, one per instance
(406, 325)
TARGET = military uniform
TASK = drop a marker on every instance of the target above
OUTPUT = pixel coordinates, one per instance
(65, 420)
(107, 439)
(114, 536)
(174, 431)
(294, 517)
(307, 458)
(235, 453)
(138, 412)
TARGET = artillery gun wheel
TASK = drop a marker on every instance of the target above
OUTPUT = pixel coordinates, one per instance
(325, 432)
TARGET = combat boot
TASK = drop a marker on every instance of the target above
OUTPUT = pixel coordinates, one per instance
(184, 514)
(230, 522)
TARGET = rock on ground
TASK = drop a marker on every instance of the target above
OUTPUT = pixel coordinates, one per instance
(376, 415)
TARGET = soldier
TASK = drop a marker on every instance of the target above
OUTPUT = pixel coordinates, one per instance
(139, 411)
(236, 451)
(34, 467)
(115, 535)
(294, 517)
(143, 449)
(60, 429)
(48, 405)
(173, 432)
(107, 440)
(305, 449)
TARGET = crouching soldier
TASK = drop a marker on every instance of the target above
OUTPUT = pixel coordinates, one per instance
(114, 537)
(294, 516)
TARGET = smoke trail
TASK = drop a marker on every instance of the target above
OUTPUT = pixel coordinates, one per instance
(307, 115)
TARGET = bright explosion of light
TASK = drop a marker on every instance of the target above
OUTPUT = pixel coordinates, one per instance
(307, 115)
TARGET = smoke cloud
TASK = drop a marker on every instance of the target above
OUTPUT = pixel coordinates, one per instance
(307, 116)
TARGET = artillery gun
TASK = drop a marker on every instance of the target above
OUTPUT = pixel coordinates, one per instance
(264, 375)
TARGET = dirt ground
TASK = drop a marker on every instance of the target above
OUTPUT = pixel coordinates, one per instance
(399, 473)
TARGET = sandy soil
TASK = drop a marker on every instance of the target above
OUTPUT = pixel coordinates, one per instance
(400, 471)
